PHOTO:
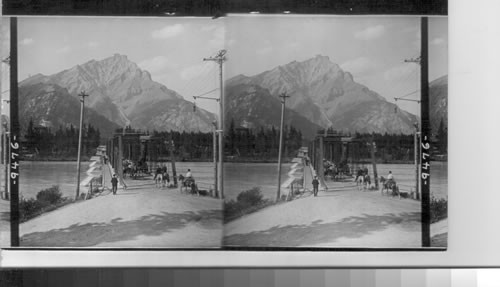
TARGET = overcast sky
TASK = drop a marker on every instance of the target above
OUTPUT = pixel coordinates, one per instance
(373, 49)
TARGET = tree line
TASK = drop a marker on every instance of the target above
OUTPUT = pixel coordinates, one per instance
(188, 146)
(441, 142)
(388, 147)
(261, 143)
(60, 143)
(244, 143)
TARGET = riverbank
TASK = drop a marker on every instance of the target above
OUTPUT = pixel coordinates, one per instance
(288, 159)
(55, 159)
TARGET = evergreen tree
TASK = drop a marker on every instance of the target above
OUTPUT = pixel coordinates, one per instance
(442, 137)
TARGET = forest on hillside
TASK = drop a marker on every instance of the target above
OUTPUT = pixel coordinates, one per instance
(240, 144)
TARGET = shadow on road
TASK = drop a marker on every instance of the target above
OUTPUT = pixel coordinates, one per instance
(91, 234)
(318, 232)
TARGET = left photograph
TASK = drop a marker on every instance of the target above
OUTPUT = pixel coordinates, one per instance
(118, 128)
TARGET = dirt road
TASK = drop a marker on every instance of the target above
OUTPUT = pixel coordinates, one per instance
(140, 216)
(348, 218)
(341, 217)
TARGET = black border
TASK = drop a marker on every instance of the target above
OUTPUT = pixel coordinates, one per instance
(220, 7)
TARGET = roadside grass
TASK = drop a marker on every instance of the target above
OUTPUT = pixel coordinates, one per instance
(439, 209)
(46, 200)
(247, 202)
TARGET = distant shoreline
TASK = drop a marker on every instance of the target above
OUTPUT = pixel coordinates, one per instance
(288, 160)
(228, 160)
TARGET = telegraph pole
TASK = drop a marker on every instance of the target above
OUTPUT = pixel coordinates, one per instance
(416, 141)
(171, 149)
(82, 105)
(416, 149)
(3, 145)
(220, 59)
(214, 123)
(216, 186)
(374, 161)
(283, 97)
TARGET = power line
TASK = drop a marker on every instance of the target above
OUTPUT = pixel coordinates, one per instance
(206, 93)
(200, 84)
(409, 94)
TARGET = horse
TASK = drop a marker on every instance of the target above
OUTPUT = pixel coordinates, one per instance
(188, 184)
(126, 167)
(367, 181)
(159, 180)
(165, 179)
(389, 185)
(131, 169)
(360, 182)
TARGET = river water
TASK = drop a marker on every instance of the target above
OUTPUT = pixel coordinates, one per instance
(238, 177)
(36, 176)
(243, 176)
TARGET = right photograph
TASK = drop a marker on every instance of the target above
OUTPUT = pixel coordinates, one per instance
(335, 132)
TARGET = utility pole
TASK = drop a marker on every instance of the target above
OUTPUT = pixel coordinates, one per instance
(6, 161)
(3, 145)
(283, 97)
(425, 136)
(6, 153)
(214, 123)
(171, 149)
(220, 59)
(216, 190)
(416, 140)
(119, 163)
(82, 105)
(416, 149)
(374, 161)
(4, 139)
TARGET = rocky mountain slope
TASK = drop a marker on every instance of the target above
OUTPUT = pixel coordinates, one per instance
(126, 95)
(53, 105)
(327, 96)
(253, 106)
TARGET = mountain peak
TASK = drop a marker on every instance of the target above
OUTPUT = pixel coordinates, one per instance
(124, 94)
(117, 59)
(120, 56)
(321, 57)
(326, 95)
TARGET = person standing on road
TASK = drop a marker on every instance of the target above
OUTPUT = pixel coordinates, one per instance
(164, 169)
(158, 171)
(114, 184)
(315, 184)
